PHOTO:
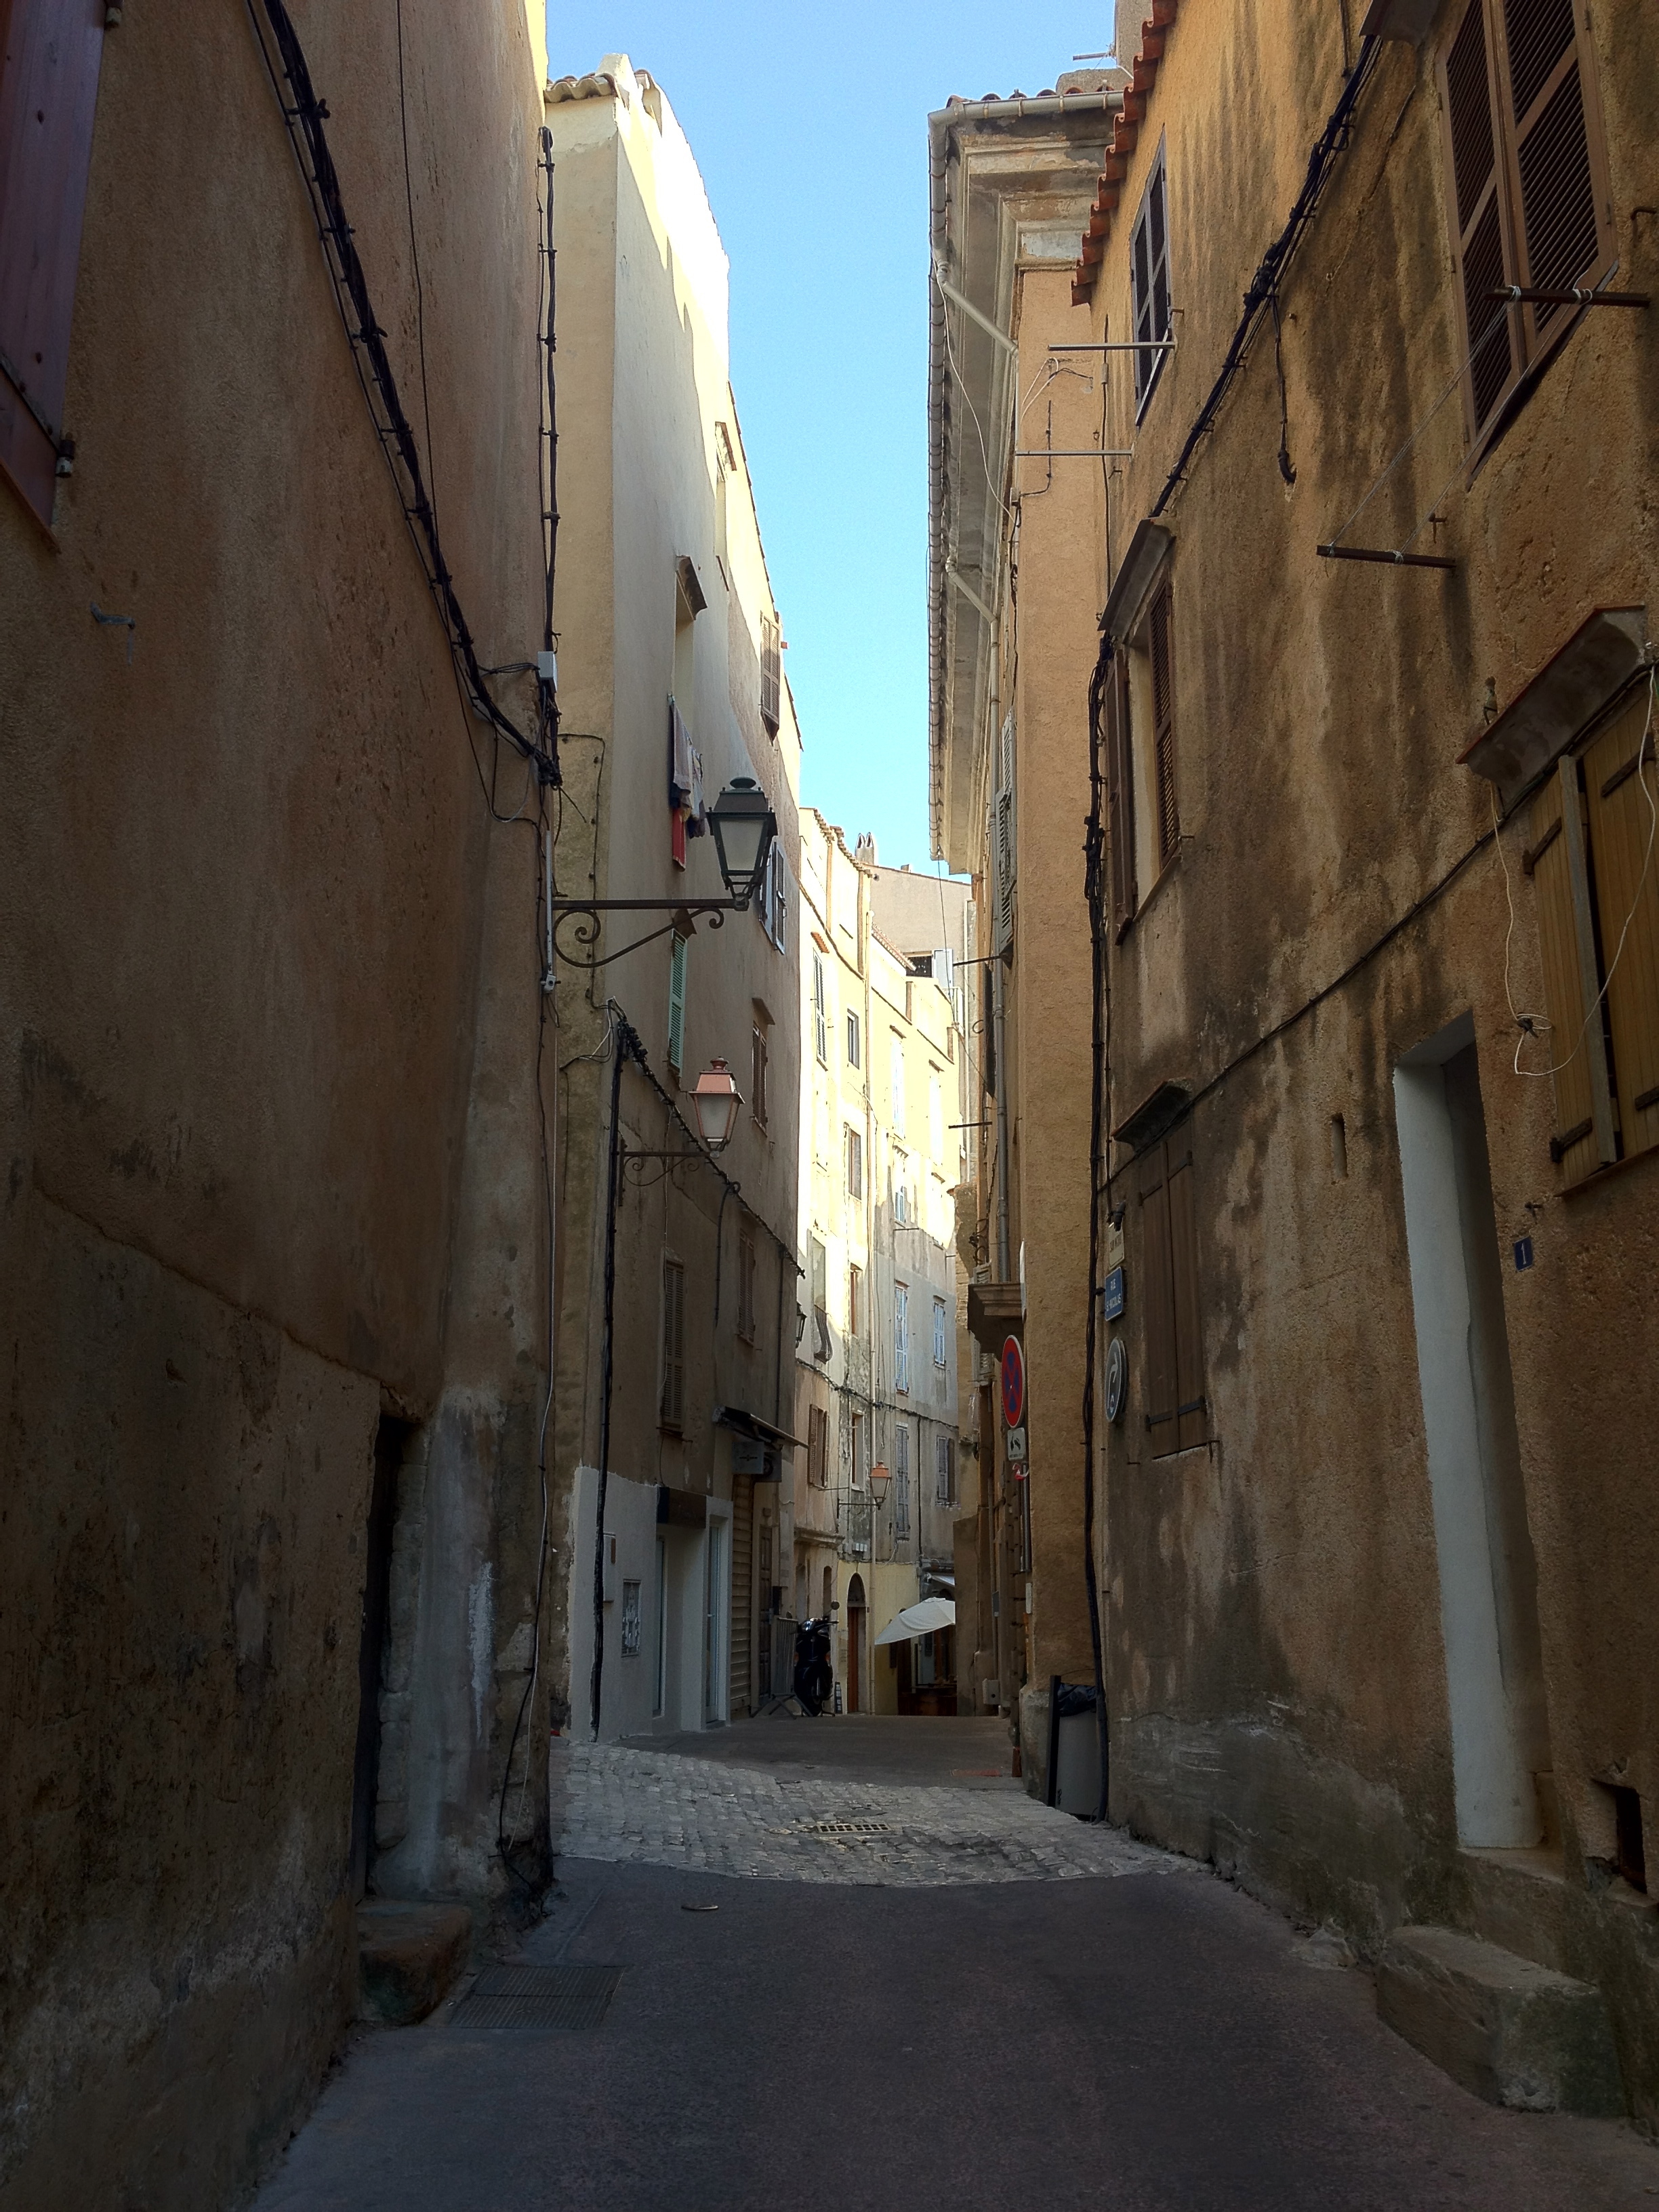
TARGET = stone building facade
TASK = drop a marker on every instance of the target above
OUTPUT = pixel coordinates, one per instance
(273, 1254)
(1362, 747)
(876, 1488)
(678, 1286)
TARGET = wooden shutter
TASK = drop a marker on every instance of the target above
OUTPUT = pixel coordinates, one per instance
(673, 1343)
(1192, 1410)
(817, 1447)
(1161, 627)
(1479, 216)
(676, 1005)
(1621, 793)
(1149, 271)
(49, 65)
(1556, 164)
(771, 674)
(1573, 1045)
(1119, 793)
(742, 1591)
(1158, 1304)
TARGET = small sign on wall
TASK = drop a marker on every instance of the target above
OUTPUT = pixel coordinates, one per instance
(1111, 1295)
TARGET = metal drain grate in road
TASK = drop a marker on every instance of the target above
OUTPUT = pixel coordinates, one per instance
(539, 1997)
(846, 1828)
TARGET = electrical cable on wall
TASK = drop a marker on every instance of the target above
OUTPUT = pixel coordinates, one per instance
(1094, 891)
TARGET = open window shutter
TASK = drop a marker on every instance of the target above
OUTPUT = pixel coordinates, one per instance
(676, 1005)
(1192, 1411)
(1005, 869)
(1566, 225)
(673, 1343)
(1582, 1139)
(1159, 1304)
(1621, 793)
(1162, 659)
(1480, 215)
(48, 97)
(1120, 794)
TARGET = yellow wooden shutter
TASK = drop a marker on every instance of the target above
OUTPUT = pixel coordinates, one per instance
(1621, 799)
(1583, 1138)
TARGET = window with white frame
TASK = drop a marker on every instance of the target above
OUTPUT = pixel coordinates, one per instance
(901, 1188)
(936, 1114)
(938, 1332)
(820, 1011)
(900, 1478)
(900, 1337)
(1149, 279)
(853, 1040)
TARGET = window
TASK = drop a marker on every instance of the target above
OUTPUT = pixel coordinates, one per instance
(820, 1300)
(631, 1621)
(938, 1332)
(773, 905)
(1178, 1413)
(1149, 280)
(771, 674)
(854, 1299)
(818, 1448)
(1160, 624)
(673, 1344)
(1590, 827)
(901, 1188)
(945, 1471)
(758, 1056)
(1529, 197)
(900, 1337)
(857, 1451)
(853, 1040)
(936, 1116)
(900, 1478)
(896, 1075)
(820, 1017)
(1004, 854)
(48, 95)
(746, 1286)
(677, 1004)
(854, 1163)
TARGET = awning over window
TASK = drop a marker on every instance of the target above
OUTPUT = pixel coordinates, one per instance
(744, 1424)
(1566, 695)
(933, 1614)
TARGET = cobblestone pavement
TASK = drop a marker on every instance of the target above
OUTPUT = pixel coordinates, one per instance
(658, 1809)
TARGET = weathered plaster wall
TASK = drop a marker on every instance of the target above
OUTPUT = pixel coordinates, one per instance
(1276, 1661)
(242, 896)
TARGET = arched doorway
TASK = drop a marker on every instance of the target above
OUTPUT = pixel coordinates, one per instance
(856, 1618)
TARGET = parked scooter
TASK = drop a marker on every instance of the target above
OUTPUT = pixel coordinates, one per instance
(815, 1679)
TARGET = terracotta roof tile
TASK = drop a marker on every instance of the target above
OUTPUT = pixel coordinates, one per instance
(1153, 35)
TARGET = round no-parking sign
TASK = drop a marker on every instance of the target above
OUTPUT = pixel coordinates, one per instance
(1013, 1383)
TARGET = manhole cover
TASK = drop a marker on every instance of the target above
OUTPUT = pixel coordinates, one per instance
(539, 1996)
(846, 1828)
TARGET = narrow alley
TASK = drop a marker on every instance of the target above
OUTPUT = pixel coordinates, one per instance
(793, 1946)
(829, 1106)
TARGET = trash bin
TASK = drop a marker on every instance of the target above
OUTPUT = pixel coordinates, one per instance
(1077, 1751)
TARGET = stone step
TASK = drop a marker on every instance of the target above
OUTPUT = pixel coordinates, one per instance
(409, 1958)
(1514, 2032)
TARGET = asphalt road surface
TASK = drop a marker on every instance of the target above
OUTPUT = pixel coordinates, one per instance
(1146, 2040)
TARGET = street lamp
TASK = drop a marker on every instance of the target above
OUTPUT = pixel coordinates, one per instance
(744, 826)
(716, 1097)
(880, 1476)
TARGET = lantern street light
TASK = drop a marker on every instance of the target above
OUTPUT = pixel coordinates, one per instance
(716, 1097)
(744, 826)
(880, 1476)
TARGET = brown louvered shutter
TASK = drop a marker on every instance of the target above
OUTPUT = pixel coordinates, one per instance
(1565, 230)
(49, 67)
(1621, 802)
(1479, 216)
(1159, 1304)
(1119, 793)
(1161, 625)
(1572, 1045)
(1192, 1410)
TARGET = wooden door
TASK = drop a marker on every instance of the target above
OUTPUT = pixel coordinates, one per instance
(855, 1612)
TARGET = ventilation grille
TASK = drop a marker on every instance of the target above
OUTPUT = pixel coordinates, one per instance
(568, 1997)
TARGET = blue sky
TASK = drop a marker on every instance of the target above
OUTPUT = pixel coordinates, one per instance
(810, 128)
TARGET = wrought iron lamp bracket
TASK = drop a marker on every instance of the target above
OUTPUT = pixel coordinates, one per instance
(584, 918)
